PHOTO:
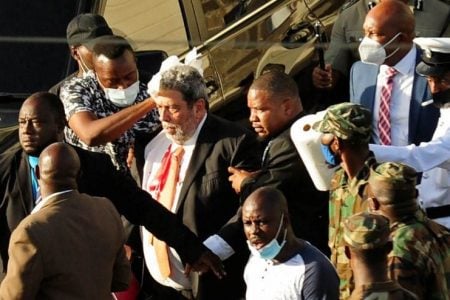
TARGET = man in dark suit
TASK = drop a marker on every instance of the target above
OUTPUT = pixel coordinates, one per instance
(388, 45)
(203, 198)
(72, 245)
(41, 122)
(275, 105)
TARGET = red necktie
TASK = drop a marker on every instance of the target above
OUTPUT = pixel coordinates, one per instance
(168, 178)
(384, 120)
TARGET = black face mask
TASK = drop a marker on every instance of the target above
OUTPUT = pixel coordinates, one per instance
(441, 99)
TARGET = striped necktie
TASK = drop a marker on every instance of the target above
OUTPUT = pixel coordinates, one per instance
(384, 120)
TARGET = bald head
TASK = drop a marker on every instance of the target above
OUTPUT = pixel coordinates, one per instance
(268, 199)
(59, 166)
(41, 122)
(394, 15)
(264, 216)
(391, 25)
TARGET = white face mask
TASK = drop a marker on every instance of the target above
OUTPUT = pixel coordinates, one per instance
(271, 249)
(121, 97)
(372, 52)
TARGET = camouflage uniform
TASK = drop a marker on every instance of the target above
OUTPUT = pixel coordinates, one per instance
(347, 122)
(346, 198)
(363, 232)
(389, 290)
(417, 260)
(420, 259)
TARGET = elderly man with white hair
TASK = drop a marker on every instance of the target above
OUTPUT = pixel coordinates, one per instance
(186, 169)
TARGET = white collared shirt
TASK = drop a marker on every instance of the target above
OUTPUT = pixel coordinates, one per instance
(432, 158)
(400, 99)
(154, 153)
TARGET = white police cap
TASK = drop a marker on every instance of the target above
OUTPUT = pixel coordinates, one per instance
(435, 56)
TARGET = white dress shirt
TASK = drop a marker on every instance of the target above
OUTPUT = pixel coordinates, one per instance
(154, 153)
(432, 158)
(400, 99)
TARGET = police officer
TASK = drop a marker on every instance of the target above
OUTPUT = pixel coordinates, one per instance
(432, 19)
(433, 157)
(368, 244)
(419, 259)
(346, 129)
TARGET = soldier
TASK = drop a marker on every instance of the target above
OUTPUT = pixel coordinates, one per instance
(368, 245)
(420, 259)
(346, 129)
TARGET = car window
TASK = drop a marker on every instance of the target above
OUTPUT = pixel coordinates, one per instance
(149, 25)
(221, 13)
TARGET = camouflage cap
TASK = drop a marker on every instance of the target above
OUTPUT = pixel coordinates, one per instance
(347, 121)
(366, 231)
(393, 183)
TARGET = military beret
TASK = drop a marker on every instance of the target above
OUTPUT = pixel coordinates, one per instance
(366, 231)
(435, 56)
(396, 182)
(347, 121)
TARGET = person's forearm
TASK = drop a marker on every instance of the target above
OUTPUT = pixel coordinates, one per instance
(96, 132)
(424, 157)
(166, 226)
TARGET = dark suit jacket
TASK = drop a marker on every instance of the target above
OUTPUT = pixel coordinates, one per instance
(422, 120)
(98, 178)
(207, 199)
(284, 169)
(72, 248)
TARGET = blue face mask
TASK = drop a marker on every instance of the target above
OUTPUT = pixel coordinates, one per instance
(331, 158)
(271, 250)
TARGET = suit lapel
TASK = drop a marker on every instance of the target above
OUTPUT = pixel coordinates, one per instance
(419, 93)
(371, 74)
(22, 185)
(202, 149)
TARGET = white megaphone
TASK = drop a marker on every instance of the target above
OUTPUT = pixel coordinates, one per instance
(307, 143)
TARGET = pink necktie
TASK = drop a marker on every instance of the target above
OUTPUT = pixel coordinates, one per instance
(168, 178)
(384, 120)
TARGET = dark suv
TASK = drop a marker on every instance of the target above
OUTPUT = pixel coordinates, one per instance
(236, 39)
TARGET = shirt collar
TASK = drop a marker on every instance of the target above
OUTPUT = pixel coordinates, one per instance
(406, 65)
(46, 199)
(33, 160)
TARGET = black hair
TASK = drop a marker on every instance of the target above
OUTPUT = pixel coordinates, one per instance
(111, 46)
(276, 82)
(54, 105)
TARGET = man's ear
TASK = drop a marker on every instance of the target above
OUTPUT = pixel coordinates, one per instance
(336, 145)
(373, 203)
(74, 52)
(286, 106)
(286, 219)
(199, 106)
